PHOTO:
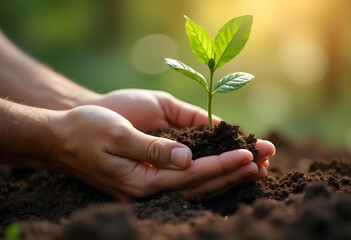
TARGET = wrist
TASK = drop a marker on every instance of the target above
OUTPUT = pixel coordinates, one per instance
(26, 136)
(85, 97)
(59, 93)
(51, 140)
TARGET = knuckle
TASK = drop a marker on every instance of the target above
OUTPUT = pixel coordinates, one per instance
(169, 96)
(192, 181)
(197, 194)
(137, 192)
(132, 188)
(154, 152)
(120, 132)
(164, 94)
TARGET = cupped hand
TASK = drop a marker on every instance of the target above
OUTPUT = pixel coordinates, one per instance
(103, 149)
(150, 110)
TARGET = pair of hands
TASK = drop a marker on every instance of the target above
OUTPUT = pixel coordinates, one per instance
(98, 145)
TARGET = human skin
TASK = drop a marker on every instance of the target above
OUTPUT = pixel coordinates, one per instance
(100, 138)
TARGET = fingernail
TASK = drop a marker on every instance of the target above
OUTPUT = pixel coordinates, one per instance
(179, 156)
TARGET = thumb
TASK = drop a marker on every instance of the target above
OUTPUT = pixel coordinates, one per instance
(159, 152)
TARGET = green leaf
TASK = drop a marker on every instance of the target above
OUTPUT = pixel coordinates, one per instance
(12, 231)
(237, 138)
(231, 39)
(187, 71)
(233, 82)
(200, 41)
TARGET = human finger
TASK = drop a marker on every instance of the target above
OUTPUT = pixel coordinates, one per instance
(265, 149)
(266, 164)
(249, 177)
(157, 151)
(182, 114)
(261, 160)
(204, 169)
(262, 173)
(220, 183)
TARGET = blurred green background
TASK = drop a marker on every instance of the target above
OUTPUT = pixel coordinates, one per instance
(299, 51)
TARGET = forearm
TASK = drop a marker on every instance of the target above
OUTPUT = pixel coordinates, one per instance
(26, 137)
(24, 80)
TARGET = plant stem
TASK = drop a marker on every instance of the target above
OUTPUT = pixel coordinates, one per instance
(209, 101)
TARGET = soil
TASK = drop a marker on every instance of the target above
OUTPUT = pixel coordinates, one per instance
(307, 195)
(205, 142)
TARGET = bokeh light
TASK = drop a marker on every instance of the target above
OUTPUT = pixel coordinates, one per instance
(148, 53)
(303, 61)
(271, 103)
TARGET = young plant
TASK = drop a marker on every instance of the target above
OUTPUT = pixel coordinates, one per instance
(12, 231)
(228, 43)
(238, 138)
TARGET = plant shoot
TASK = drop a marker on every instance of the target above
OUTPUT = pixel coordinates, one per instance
(12, 231)
(228, 43)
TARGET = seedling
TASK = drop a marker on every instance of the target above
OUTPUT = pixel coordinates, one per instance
(12, 231)
(237, 138)
(228, 43)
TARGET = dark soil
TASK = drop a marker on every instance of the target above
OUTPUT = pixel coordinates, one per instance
(307, 195)
(205, 142)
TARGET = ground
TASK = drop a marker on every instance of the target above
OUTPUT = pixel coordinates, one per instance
(307, 195)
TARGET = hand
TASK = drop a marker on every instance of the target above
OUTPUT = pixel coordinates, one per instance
(151, 110)
(101, 148)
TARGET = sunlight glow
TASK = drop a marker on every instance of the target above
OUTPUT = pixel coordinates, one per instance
(270, 103)
(148, 53)
(303, 61)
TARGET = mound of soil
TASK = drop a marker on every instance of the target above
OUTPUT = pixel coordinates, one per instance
(206, 142)
(307, 195)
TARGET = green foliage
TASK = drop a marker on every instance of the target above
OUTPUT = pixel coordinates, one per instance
(187, 71)
(237, 138)
(229, 42)
(200, 41)
(231, 39)
(12, 231)
(232, 82)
